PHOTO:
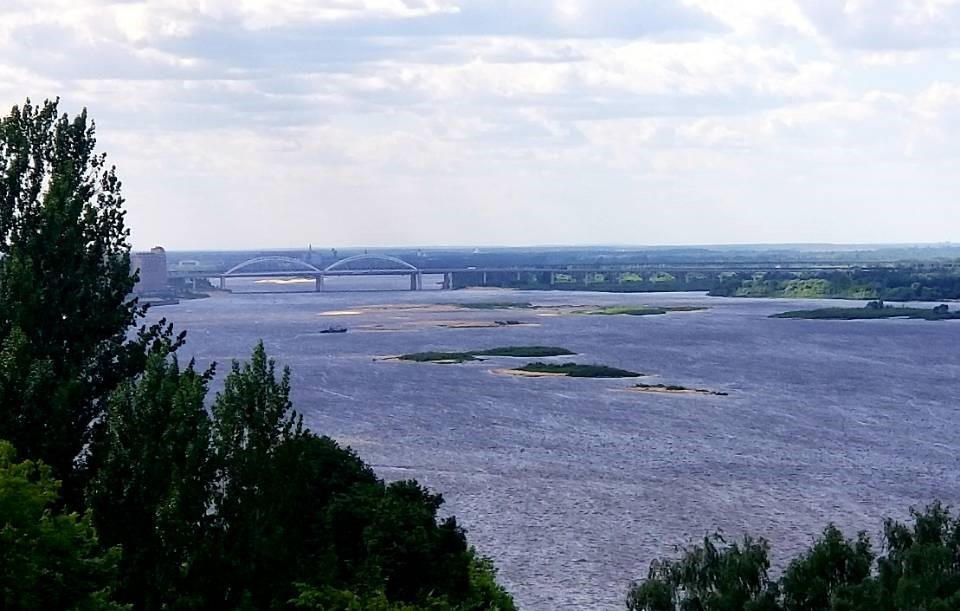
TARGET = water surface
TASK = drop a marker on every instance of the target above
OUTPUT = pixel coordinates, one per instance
(573, 486)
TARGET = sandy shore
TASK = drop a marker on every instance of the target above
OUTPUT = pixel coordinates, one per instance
(675, 391)
(285, 281)
(481, 324)
(528, 374)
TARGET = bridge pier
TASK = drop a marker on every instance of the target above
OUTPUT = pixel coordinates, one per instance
(223, 283)
(416, 281)
(319, 283)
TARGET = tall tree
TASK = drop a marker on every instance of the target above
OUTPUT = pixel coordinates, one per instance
(714, 576)
(152, 483)
(252, 419)
(834, 569)
(65, 285)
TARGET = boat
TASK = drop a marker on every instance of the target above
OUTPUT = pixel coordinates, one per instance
(334, 330)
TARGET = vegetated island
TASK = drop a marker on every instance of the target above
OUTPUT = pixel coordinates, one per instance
(640, 311)
(901, 282)
(676, 390)
(475, 355)
(570, 370)
(872, 311)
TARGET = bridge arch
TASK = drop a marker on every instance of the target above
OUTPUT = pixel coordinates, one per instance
(272, 259)
(401, 264)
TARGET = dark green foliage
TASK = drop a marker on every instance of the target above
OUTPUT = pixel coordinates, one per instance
(574, 370)
(714, 576)
(921, 567)
(919, 570)
(466, 357)
(287, 507)
(873, 310)
(829, 572)
(252, 420)
(48, 560)
(153, 480)
(65, 281)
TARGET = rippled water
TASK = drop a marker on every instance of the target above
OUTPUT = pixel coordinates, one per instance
(573, 486)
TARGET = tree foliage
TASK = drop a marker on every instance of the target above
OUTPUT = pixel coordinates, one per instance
(153, 477)
(222, 504)
(918, 569)
(65, 284)
(48, 560)
(241, 507)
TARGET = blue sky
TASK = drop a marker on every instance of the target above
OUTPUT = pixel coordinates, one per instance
(260, 123)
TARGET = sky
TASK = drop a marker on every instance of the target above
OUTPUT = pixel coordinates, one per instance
(268, 123)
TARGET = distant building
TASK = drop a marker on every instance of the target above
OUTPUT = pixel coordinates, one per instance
(152, 265)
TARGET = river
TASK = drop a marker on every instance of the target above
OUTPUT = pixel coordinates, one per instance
(574, 485)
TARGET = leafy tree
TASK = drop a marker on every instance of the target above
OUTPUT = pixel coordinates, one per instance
(153, 481)
(714, 576)
(832, 571)
(65, 282)
(921, 568)
(48, 560)
(252, 418)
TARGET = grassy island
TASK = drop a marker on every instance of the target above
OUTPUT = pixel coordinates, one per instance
(672, 389)
(641, 311)
(574, 370)
(473, 355)
(872, 311)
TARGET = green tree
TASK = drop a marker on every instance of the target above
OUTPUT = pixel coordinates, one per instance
(65, 282)
(921, 567)
(48, 560)
(252, 419)
(153, 481)
(714, 576)
(833, 572)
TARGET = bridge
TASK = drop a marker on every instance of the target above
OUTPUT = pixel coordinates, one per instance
(275, 266)
(290, 267)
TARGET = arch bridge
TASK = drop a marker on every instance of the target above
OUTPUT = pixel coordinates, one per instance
(290, 267)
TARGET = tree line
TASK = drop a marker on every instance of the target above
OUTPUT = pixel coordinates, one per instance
(903, 283)
(916, 568)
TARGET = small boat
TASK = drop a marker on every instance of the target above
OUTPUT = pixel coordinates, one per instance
(334, 330)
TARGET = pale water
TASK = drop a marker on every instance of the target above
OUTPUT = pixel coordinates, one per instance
(573, 486)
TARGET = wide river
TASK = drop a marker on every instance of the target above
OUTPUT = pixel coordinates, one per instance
(574, 485)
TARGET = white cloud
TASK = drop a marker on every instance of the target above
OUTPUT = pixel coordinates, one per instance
(271, 123)
(887, 24)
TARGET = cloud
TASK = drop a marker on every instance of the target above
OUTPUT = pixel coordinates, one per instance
(273, 123)
(887, 24)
